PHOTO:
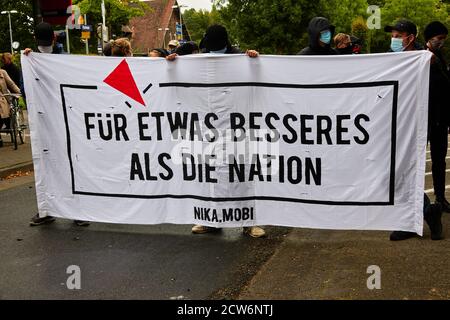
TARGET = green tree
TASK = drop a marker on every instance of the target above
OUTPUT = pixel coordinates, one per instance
(268, 26)
(342, 13)
(197, 22)
(21, 23)
(281, 26)
(118, 14)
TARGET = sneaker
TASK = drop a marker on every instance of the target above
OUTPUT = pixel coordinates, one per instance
(199, 229)
(433, 218)
(37, 221)
(444, 204)
(255, 232)
(401, 235)
(81, 223)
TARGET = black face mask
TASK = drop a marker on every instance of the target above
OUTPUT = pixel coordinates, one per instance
(346, 50)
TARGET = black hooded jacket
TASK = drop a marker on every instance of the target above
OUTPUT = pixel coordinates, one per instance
(316, 26)
(439, 98)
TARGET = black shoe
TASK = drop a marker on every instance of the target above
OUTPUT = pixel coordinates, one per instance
(433, 218)
(81, 223)
(444, 204)
(37, 221)
(1, 143)
(401, 235)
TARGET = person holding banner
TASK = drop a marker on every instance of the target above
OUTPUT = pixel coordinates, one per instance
(216, 41)
(343, 43)
(45, 40)
(435, 35)
(158, 53)
(173, 45)
(320, 33)
(404, 36)
(121, 48)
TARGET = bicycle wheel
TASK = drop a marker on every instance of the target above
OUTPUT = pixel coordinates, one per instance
(20, 126)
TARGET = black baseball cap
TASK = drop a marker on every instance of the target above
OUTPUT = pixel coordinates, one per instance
(44, 34)
(403, 26)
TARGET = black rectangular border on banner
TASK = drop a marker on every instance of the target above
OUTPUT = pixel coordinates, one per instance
(395, 85)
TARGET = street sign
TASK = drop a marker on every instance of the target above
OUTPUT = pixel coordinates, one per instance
(85, 35)
(86, 28)
(178, 28)
(86, 31)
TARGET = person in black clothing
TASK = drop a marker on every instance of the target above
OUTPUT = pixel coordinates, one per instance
(320, 34)
(343, 43)
(404, 37)
(216, 40)
(439, 114)
(187, 48)
(158, 53)
(357, 44)
(12, 70)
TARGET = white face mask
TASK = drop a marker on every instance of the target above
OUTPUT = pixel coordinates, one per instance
(220, 51)
(45, 49)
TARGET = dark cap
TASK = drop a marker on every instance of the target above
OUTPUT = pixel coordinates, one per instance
(187, 48)
(162, 52)
(403, 26)
(44, 34)
(434, 29)
(216, 38)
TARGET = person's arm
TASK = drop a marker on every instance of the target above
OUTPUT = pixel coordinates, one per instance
(172, 57)
(250, 53)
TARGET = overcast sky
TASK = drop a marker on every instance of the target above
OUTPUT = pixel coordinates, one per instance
(196, 4)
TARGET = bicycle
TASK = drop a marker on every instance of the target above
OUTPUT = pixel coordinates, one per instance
(17, 124)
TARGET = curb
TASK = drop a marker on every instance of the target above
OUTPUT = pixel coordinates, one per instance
(26, 166)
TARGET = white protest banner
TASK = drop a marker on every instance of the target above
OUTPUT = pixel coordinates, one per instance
(227, 140)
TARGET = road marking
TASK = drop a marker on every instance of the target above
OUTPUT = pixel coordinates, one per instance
(429, 173)
(429, 151)
(429, 160)
(432, 190)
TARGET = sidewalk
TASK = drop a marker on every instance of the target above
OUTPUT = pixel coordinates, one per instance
(326, 264)
(12, 160)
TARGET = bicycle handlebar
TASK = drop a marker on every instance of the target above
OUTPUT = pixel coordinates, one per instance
(14, 95)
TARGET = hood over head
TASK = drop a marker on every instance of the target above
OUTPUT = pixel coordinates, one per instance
(315, 27)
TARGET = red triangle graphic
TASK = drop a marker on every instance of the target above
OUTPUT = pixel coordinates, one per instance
(122, 80)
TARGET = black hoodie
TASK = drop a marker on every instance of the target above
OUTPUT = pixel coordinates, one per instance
(316, 26)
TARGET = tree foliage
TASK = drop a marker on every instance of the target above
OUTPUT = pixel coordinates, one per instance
(265, 25)
(119, 12)
(198, 21)
(21, 23)
(280, 27)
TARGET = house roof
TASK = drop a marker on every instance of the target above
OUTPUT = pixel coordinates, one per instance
(146, 34)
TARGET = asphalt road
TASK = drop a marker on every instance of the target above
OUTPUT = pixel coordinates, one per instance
(167, 261)
(121, 261)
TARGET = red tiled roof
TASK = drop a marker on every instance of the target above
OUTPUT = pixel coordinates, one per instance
(146, 34)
